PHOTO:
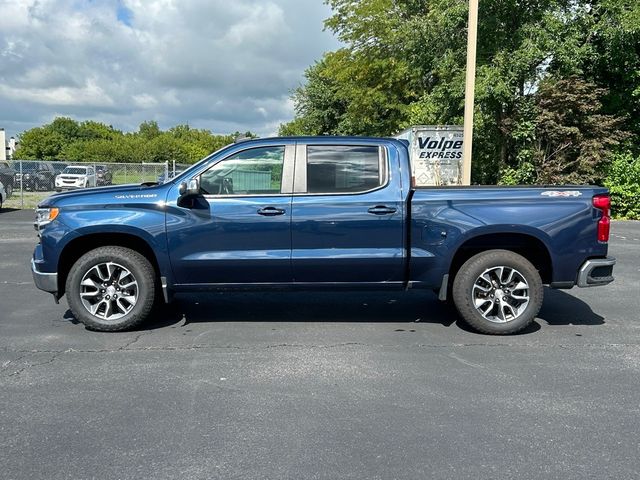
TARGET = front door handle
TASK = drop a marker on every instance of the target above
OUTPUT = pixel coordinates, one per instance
(382, 210)
(271, 211)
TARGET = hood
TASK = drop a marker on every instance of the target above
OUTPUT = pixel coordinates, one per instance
(106, 195)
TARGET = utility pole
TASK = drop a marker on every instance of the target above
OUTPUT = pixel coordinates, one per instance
(472, 36)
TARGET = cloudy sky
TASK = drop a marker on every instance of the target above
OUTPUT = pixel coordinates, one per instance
(224, 65)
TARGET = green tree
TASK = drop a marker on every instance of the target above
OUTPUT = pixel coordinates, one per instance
(612, 60)
(96, 150)
(574, 138)
(95, 130)
(40, 144)
(294, 128)
(149, 130)
(65, 127)
(403, 63)
(91, 141)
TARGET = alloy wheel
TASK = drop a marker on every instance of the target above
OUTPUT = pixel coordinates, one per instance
(500, 294)
(109, 291)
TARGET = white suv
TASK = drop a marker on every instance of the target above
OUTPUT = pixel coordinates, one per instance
(76, 176)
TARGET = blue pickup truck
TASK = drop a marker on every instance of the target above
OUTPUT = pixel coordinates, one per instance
(318, 213)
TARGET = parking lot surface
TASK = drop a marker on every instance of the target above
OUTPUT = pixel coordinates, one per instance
(319, 385)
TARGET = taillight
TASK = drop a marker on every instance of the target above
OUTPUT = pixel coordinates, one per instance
(603, 203)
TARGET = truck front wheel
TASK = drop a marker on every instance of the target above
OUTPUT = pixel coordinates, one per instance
(110, 289)
(498, 292)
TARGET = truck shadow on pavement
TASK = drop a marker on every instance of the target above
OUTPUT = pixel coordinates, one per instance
(340, 307)
(562, 308)
(559, 308)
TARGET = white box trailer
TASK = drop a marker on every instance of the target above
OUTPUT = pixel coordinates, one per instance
(436, 154)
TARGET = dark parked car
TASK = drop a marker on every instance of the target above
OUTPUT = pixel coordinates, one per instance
(103, 175)
(3, 195)
(35, 175)
(58, 167)
(7, 174)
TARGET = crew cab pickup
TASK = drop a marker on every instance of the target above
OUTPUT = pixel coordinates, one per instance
(318, 213)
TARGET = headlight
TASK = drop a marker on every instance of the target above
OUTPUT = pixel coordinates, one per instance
(45, 216)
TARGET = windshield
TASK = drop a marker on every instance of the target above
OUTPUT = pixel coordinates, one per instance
(75, 170)
(25, 166)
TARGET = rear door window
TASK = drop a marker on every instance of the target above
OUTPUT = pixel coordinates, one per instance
(344, 169)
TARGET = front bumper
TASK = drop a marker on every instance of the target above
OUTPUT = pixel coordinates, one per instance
(27, 183)
(44, 281)
(68, 185)
(596, 272)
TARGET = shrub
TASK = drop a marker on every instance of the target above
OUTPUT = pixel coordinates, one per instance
(525, 174)
(623, 181)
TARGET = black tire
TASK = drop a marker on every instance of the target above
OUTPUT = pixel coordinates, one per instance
(136, 264)
(9, 189)
(466, 290)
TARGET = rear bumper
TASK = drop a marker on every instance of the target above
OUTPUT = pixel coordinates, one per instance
(44, 281)
(595, 272)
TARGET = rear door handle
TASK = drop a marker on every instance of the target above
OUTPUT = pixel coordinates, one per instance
(382, 210)
(271, 211)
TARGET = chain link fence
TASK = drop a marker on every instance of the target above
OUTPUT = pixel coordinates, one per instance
(27, 182)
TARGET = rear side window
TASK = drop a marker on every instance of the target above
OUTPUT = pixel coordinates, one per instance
(344, 169)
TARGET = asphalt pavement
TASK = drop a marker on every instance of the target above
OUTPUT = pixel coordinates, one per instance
(319, 385)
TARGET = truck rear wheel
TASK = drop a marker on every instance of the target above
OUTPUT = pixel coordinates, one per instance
(498, 292)
(110, 289)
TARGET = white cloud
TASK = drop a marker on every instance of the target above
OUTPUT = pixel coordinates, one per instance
(215, 64)
(89, 95)
(145, 100)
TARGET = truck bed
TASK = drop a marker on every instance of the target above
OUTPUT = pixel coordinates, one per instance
(558, 221)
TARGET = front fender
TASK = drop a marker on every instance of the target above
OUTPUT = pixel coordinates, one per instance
(146, 222)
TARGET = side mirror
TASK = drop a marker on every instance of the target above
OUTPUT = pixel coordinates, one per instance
(192, 187)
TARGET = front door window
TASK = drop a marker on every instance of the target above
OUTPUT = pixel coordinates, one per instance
(257, 171)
